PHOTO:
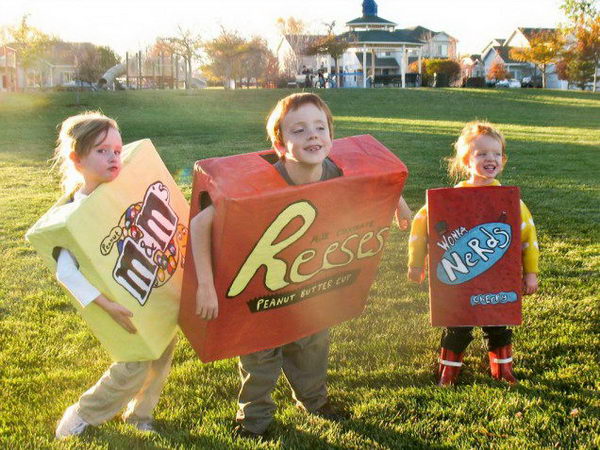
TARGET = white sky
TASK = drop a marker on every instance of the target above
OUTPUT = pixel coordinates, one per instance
(133, 24)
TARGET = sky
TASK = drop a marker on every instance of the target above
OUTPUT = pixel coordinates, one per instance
(131, 25)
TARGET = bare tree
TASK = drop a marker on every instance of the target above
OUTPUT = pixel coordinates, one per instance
(187, 45)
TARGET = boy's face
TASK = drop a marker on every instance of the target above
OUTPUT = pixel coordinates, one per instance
(305, 134)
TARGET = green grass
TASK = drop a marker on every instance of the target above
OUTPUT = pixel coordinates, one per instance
(381, 364)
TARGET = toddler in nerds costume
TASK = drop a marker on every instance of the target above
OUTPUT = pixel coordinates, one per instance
(89, 154)
(480, 155)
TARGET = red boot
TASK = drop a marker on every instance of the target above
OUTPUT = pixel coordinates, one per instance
(501, 364)
(449, 369)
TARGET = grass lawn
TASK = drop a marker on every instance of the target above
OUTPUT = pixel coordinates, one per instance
(381, 364)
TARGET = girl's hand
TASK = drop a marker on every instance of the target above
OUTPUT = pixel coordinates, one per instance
(403, 215)
(118, 313)
(416, 274)
(207, 304)
(530, 283)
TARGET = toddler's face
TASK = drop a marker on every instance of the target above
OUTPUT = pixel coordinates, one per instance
(103, 163)
(306, 135)
(485, 159)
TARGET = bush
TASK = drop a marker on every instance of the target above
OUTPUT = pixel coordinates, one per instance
(449, 69)
(475, 82)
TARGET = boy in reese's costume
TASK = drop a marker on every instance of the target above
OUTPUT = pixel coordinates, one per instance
(300, 128)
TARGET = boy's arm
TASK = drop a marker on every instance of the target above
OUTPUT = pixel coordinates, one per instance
(530, 252)
(207, 305)
(417, 246)
(403, 214)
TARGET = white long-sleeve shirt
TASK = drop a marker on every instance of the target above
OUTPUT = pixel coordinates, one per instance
(69, 275)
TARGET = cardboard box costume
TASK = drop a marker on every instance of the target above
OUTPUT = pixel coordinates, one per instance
(289, 261)
(475, 270)
(129, 239)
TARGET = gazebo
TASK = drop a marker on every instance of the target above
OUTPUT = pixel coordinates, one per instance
(375, 40)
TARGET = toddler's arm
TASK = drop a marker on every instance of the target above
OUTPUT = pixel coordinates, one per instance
(207, 305)
(417, 247)
(530, 252)
(403, 214)
(69, 275)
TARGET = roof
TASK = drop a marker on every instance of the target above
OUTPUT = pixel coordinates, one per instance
(530, 32)
(379, 62)
(504, 53)
(299, 42)
(370, 20)
(396, 36)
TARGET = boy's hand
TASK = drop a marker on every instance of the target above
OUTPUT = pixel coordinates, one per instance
(416, 274)
(118, 313)
(403, 215)
(207, 304)
(530, 283)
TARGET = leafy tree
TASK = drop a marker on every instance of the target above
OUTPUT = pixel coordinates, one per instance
(30, 42)
(498, 72)
(225, 53)
(187, 45)
(431, 66)
(255, 56)
(582, 57)
(544, 49)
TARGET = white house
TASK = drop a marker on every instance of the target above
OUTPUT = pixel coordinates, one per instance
(8, 69)
(498, 50)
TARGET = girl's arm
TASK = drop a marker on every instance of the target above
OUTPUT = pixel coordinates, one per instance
(530, 252)
(403, 214)
(207, 305)
(69, 275)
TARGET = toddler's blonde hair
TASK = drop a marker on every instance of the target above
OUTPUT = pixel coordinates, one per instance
(78, 134)
(458, 164)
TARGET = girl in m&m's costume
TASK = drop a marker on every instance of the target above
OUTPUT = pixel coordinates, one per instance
(89, 154)
(480, 155)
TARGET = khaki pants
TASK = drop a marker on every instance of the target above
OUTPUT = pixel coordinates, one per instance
(136, 385)
(304, 363)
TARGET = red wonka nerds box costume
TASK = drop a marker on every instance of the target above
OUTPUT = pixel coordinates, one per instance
(289, 261)
(475, 268)
(129, 239)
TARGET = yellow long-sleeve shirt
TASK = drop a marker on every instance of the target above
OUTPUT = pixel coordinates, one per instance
(417, 244)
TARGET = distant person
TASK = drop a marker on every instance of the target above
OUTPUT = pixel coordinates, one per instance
(480, 154)
(89, 154)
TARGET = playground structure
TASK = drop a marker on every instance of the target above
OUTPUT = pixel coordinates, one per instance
(142, 70)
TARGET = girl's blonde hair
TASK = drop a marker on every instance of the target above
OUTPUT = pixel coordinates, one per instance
(78, 134)
(458, 164)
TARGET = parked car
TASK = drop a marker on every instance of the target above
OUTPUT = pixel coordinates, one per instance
(508, 84)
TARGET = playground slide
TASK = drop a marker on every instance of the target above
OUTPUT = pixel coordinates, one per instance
(108, 79)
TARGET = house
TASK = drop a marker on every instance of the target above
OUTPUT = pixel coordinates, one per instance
(375, 47)
(57, 66)
(498, 50)
(8, 69)
(472, 67)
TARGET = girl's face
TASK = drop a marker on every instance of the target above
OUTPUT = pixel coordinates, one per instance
(485, 160)
(305, 135)
(103, 162)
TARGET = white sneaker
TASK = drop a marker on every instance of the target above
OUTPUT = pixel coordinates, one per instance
(71, 424)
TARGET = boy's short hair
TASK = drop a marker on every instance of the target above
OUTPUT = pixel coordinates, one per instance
(290, 103)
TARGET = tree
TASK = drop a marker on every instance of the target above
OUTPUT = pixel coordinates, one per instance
(498, 72)
(255, 59)
(187, 45)
(30, 42)
(431, 66)
(544, 49)
(225, 53)
(582, 57)
(329, 45)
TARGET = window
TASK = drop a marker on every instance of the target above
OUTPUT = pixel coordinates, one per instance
(442, 50)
